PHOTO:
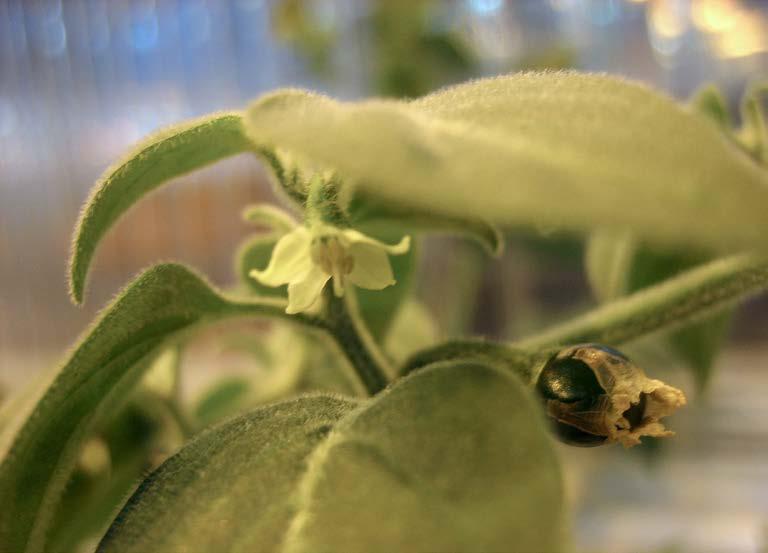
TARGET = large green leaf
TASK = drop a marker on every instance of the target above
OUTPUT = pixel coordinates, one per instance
(563, 149)
(232, 488)
(39, 447)
(453, 458)
(158, 158)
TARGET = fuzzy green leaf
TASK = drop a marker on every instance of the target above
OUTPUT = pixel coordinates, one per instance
(452, 458)
(231, 489)
(39, 448)
(564, 149)
(158, 158)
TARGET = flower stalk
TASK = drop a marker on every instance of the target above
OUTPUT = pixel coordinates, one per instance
(356, 343)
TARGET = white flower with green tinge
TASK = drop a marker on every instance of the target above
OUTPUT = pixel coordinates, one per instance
(307, 257)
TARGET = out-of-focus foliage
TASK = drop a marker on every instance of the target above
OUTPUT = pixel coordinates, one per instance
(409, 54)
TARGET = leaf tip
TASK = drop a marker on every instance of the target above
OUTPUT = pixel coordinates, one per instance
(76, 274)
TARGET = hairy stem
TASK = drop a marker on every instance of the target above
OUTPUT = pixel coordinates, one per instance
(349, 331)
(322, 202)
(685, 298)
(501, 355)
(289, 180)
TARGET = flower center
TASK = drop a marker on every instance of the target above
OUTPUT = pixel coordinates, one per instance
(331, 256)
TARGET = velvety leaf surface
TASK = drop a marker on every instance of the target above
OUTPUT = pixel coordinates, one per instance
(166, 154)
(231, 489)
(452, 458)
(564, 149)
(39, 448)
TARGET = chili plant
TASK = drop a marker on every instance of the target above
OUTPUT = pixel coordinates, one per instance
(448, 446)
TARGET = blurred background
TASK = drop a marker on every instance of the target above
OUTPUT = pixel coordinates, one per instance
(81, 80)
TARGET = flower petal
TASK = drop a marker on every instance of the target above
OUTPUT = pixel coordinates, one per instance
(290, 259)
(353, 237)
(371, 269)
(302, 294)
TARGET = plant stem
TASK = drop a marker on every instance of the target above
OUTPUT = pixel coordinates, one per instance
(322, 202)
(288, 179)
(358, 345)
(690, 296)
(518, 361)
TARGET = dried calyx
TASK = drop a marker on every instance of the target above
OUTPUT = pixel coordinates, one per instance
(595, 395)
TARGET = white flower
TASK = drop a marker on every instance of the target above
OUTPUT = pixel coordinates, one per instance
(306, 258)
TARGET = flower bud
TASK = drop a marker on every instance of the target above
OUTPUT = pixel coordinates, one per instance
(595, 395)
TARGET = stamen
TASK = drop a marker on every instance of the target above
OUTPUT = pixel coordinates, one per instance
(328, 253)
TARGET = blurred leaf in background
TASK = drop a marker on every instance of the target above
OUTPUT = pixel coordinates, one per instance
(410, 52)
